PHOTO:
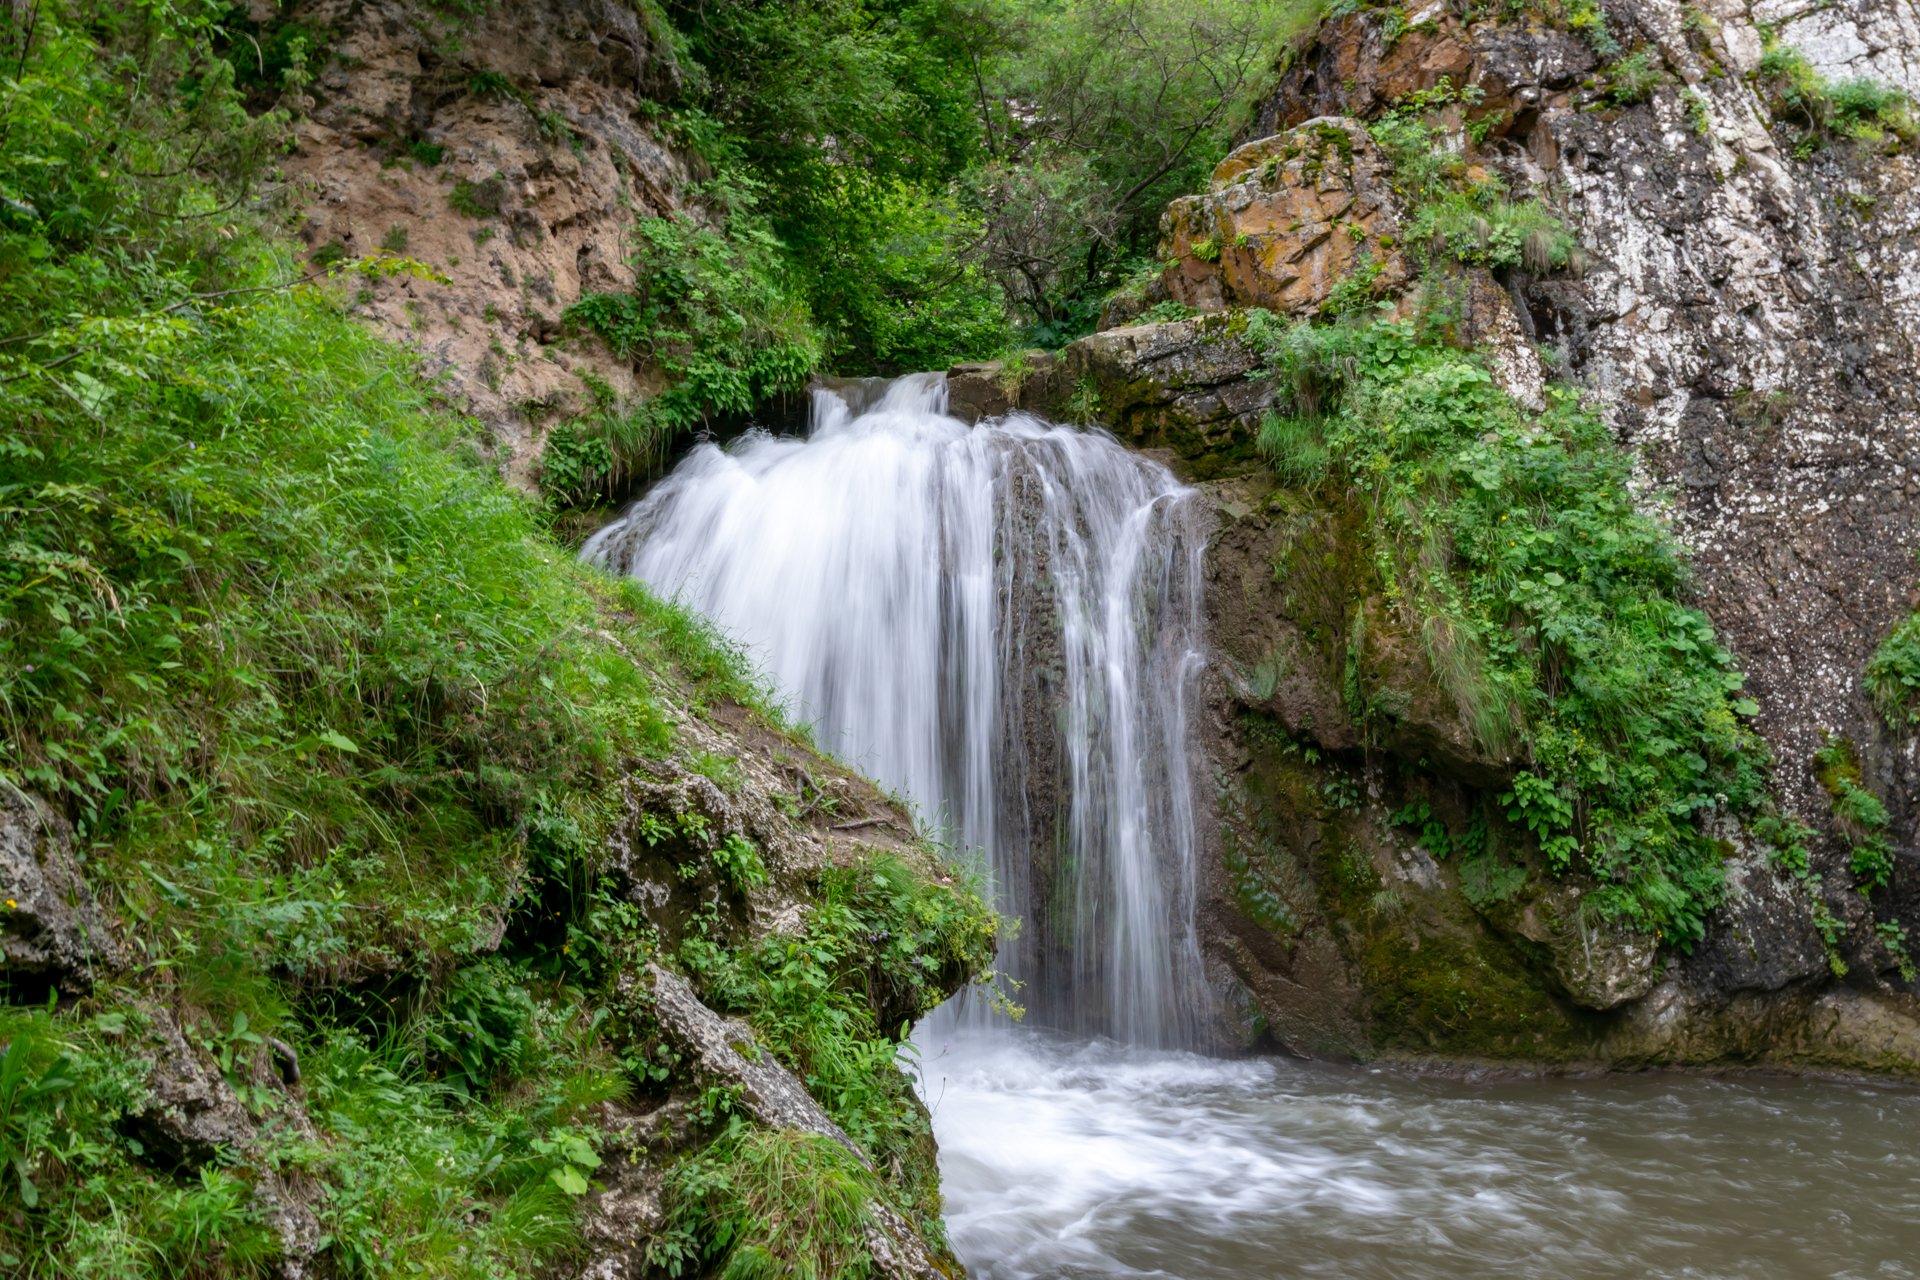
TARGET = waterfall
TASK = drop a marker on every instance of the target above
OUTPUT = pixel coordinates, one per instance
(1002, 623)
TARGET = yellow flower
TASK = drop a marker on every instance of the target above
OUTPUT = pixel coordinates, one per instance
(11, 904)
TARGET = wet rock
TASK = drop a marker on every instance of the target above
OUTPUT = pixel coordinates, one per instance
(1745, 320)
(1190, 387)
(1285, 221)
(52, 930)
(1595, 963)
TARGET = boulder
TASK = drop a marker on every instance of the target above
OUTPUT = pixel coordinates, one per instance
(51, 928)
(1287, 221)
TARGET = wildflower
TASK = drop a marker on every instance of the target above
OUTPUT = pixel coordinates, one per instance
(11, 904)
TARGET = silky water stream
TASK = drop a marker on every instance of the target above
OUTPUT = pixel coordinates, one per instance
(1003, 623)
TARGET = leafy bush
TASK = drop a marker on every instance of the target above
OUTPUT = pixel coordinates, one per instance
(1549, 606)
(716, 313)
(1893, 674)
(1861, 108)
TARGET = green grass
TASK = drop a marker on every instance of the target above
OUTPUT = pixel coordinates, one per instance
(1549, 607)
(340, 728)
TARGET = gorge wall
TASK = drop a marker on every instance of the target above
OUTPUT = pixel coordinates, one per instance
(1742, 314)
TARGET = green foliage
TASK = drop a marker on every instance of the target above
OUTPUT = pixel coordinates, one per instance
(1893, 674)
(481, 199)
(769, 1205)
(1548, 605)
(1451, 219)
(1860, 109)
(882, 937)
(1094, 115)
(1857, 812)
(1634, 78)
(717, 314)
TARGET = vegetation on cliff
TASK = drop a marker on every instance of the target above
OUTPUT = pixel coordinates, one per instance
(1548, 605)
(341, 735)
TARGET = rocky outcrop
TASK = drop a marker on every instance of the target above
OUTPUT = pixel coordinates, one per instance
(509, 147)
(52, 930)
(1185, 387)
(1287, 220)
(1746, 316)
(192, 1118)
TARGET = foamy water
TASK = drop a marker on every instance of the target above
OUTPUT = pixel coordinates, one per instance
(1067, 1158)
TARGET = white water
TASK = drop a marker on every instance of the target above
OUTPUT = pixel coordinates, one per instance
(1001, 622)
(1068, 1158)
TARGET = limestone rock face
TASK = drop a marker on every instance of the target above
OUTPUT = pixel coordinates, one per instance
(1285, 221)
(51, 928)
(1746, 318)
(510, 149)
(1747, 315)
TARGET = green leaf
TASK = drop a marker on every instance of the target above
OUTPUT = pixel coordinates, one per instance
(569, 1180)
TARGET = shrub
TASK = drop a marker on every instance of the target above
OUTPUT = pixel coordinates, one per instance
(1633, 79)
(1550, 607)
(1893, 674)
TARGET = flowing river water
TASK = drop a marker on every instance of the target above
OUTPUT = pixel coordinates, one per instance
(1003, 623)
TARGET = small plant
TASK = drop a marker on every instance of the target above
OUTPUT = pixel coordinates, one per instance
(427, 153)
(1893, 936)
(395, 241)
(1633, 79)
(1893, 674)
(1699, 118)
(1084, 406)
(1166, 311)
(1206, 250)
(1857, 812)
(483, 199)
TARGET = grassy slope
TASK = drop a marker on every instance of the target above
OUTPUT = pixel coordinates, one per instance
(341, 732)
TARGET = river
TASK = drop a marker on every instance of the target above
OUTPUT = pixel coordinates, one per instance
(1064, 1157)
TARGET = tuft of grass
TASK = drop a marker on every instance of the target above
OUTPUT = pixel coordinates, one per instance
(1861, 109)
(1633, 79)
(769, 1205)
(1893, 674)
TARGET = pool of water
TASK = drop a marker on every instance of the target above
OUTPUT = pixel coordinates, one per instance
(1066, 1158)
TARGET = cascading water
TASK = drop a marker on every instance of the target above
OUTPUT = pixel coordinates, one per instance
(1002, 622)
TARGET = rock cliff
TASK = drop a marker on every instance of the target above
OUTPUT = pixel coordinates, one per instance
(1741, 308)
(509, 147)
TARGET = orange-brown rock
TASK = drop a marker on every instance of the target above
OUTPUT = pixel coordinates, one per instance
(1285, 221)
